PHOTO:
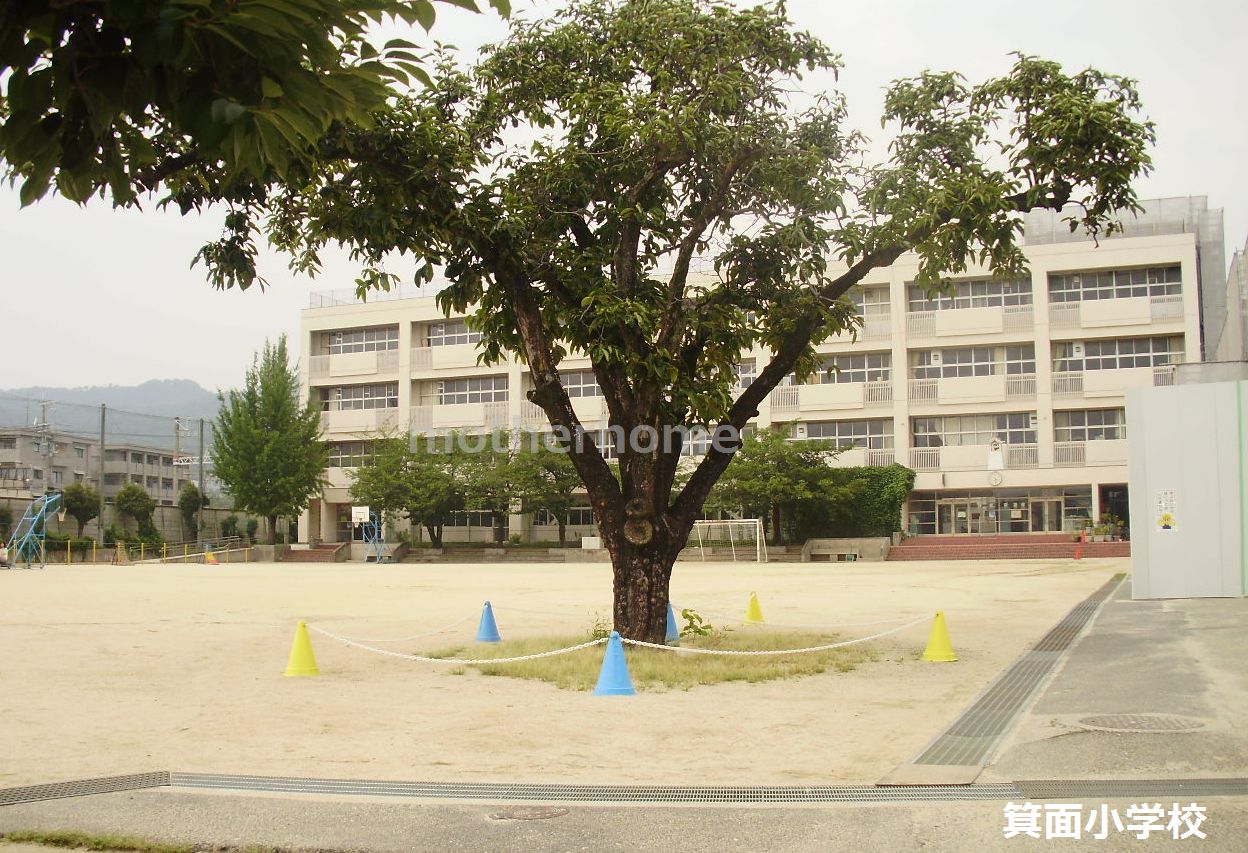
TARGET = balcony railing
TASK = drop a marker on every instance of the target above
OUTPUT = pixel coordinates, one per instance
(1064, 315)
(1019, 318)
(921, 323)
(924, 390)
(531, 415)
(1167, 307)
(785, 398)
(880, 457)
(1022, 456)
(925, 458)
(422, 358)
(1164, 375)
(1020, 385)
(1070, 454)
(877, 393)
(1067, 384)
(875, 326)
(388, 361)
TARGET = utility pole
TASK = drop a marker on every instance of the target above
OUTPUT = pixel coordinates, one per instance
(177, 437)
(202, 493)
(100, 520)
(47, 444)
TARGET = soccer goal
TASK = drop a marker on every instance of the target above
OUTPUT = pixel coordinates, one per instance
(743, 536)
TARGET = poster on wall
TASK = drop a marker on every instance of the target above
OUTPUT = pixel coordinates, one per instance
(1167, 510)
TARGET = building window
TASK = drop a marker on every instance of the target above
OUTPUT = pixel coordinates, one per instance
(79, 477)
(869, 300)
(1115, 353)
(747, 372)
(57, 476)
(477, 389)
(166, 462)
(36, 474)
(581, 383)
(968, 430)
(472, 518)
(80, 452)
(166, 483)
(349, 454)
(1114, 284)
(876, 434)
(153, 460)
(1020, 359)
(136, 458)
(450, 333)
(384, 395)
(947, 363)
(973, 293)
(114, 456)
(362, 340)
(580, 516)
(137, 479)
(855, 367)
(114, 479)
(1090, 425)
(8, 442)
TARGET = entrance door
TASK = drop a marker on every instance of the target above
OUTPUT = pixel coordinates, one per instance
(1046, 516)
(955, 516)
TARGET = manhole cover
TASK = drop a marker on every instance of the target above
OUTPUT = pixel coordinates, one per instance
(529, 813)
(1155, 723)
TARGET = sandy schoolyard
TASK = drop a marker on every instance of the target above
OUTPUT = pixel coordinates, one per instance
(110, 670)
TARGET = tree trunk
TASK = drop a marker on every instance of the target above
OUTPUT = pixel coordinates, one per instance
(640, 586)
(81, 526)
(563, 530)
(271, 521)
(435, 534)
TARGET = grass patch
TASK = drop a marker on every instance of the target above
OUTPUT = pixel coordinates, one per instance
(70, 840)
(84, 841)
(652, 669)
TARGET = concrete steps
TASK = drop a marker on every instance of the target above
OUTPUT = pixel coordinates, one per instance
(318, 554)
(1021, 547)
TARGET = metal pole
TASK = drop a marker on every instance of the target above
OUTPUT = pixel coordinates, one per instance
(99, 522)
(198, 526)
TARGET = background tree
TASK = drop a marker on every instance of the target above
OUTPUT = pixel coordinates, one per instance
(664, 132)
(190, 502)
(545, 479)
(772, 476)
(414, 479)
(132, 501)
(6, 521)
(266, 444)
(488, 479)
(218, 95)
(82, 502)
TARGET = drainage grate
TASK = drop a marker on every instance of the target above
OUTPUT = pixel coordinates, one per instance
(601, 793)
(82, 787)
(971, 738)
(1150, 723)
(1139, 789)
(529, 813)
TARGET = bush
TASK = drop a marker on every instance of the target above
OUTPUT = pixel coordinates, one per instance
(60, 541)
(229, 526)
(870, 504)
(252, 526)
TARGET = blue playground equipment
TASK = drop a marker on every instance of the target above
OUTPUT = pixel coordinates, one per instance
(373, 539)
(26, 545)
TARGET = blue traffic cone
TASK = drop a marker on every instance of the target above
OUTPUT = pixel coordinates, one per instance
(487, 631)
(673, 633)
(614, 679)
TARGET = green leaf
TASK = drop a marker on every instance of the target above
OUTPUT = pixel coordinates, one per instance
(270, 88)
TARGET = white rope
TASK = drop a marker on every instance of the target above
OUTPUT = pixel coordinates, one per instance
(727, 619)
(454, 661)
(441, 630)
(823, 648)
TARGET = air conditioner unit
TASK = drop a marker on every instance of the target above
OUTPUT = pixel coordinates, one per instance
(799, 430)
(1076, 348)
(936, 357)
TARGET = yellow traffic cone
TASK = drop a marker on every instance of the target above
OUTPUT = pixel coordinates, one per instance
(302, 661)
(210, 559)
(939, 649)
(753, 612)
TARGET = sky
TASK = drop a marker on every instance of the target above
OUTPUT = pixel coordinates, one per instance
(96, 296)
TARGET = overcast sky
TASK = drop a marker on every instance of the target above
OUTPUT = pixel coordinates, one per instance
(95, 296)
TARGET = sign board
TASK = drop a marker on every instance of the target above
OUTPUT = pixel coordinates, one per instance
(185, 460)
(360, 515)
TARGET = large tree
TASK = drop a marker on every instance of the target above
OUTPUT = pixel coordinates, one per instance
(118, 96)
(266, 441)
(659, 131)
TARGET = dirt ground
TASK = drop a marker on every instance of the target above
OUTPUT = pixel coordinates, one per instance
(108, 670)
